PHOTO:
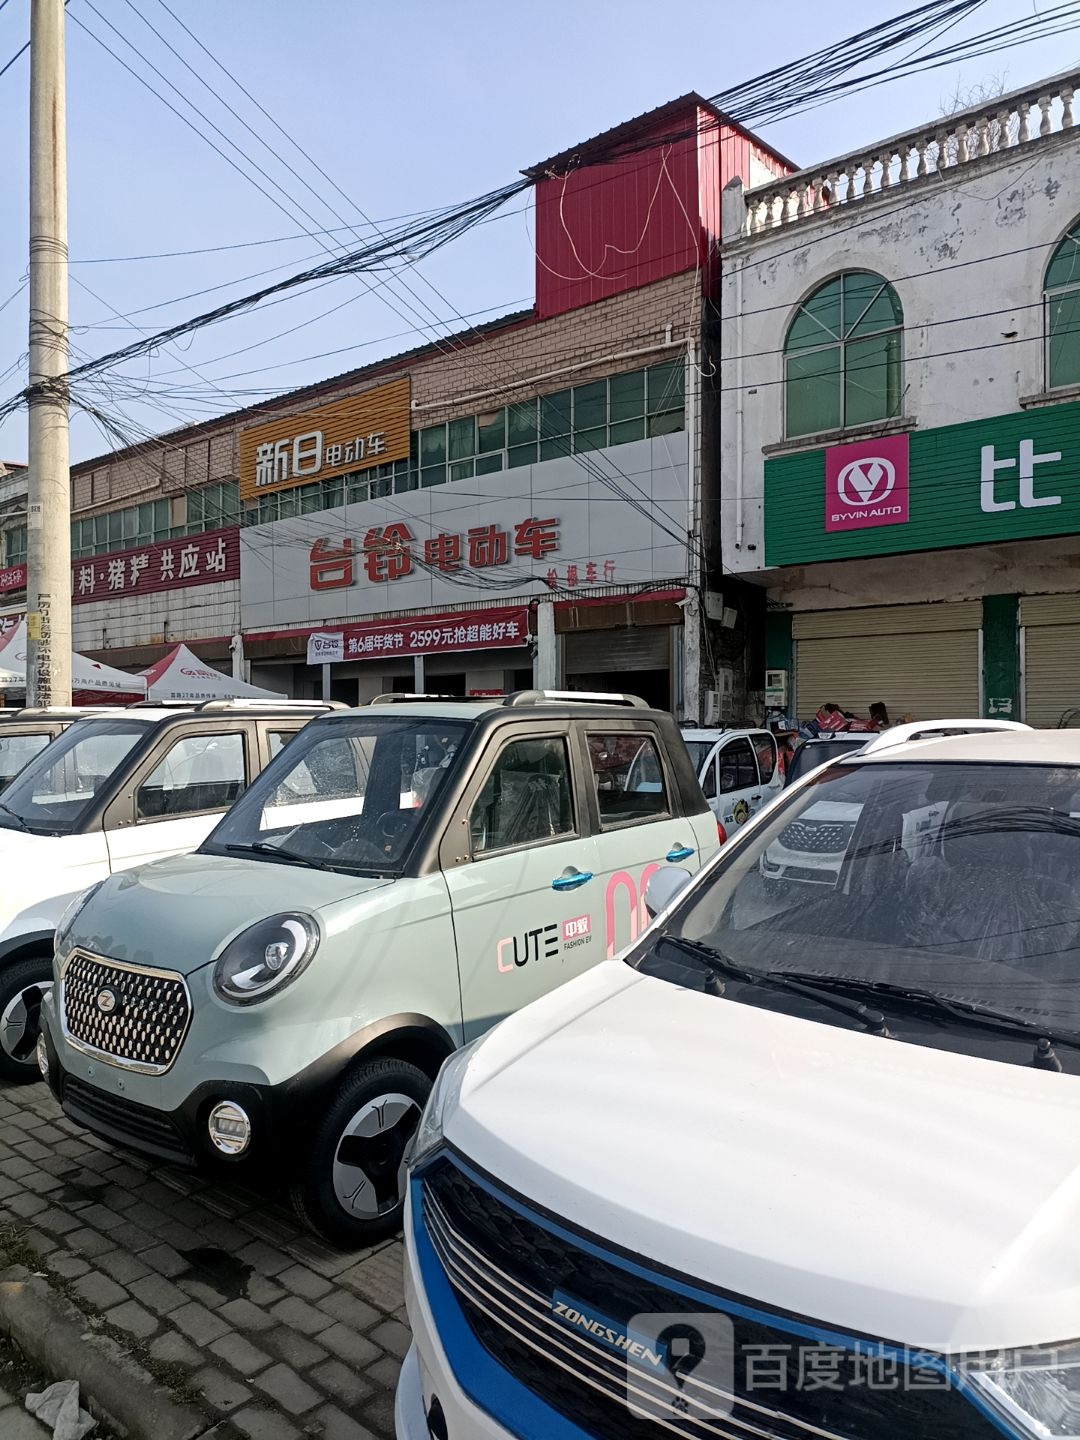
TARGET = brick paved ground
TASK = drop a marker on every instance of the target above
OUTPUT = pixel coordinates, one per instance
(214, 1290)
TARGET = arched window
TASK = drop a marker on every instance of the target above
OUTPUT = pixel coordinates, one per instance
(842, 356)
(1062, 293)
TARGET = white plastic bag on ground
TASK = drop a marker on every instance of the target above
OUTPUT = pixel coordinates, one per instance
(58, 1406)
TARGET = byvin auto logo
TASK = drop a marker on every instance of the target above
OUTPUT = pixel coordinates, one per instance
(866, 484)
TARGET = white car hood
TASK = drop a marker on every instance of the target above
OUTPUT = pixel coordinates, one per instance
(928, 1198)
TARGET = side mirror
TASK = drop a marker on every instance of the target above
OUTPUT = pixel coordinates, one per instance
(664, 887)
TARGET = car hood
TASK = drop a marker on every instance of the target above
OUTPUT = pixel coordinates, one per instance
(177, 914)
(895, 1190)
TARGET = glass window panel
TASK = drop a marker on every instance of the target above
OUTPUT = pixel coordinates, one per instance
(146, 519)
(521, 423)
(358, 488)
(116, 528)
(161, 519)
(383, 486)
(624, 430)
(817, 320)
(310, 499)
(462, 441)
(666, 424)
(288, 504)
(555, 449)
(869, 305)
(812, 391)
(129, 522)
(627, 397)
(872, 379)
(590, 439)
(333, 492)
(590, 406)
(463, 470)
(230, 501)
(404, 480)
(1063, 323)
(519, 455)
(433, 445)
(1064, 267)
(555, 414)
(101, 532)
(488, 464)
(665, 387)
(491, 432)
(433, 475)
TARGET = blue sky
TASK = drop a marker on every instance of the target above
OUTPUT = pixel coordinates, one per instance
(405, 106)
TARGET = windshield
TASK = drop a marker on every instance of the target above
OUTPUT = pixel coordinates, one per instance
(809, 757)
(960, 879)
(345, 794)
(699, 752)
(17, 751)
(60, 784)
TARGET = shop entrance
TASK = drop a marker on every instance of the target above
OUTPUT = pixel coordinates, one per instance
(635, 660)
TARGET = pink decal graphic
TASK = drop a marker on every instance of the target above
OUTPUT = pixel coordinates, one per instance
(866, 484)
(580, 925)
(504, 969)
(620, 881)
(646, 876)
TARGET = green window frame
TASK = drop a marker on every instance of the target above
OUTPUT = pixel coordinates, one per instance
(1061, 302)
(843, 356)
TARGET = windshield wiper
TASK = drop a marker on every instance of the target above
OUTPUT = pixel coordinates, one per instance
(293, 857)
(972, 1012)
(720, 965)
(20, 823)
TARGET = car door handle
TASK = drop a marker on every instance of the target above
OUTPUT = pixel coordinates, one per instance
(571, 882)
(677, 853)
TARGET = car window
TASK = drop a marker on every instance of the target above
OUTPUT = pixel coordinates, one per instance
(809, 756)
(738, 770)
(525, 799)
(59, 785)
(765, 750)
(629, 777)
(708, 780)
(278, 739)
(17, 751)
(199, 772)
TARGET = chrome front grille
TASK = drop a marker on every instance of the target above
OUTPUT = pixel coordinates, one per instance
(127, 1015)
(815, 837)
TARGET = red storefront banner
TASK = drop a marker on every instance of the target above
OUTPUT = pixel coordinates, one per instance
(165, 565)
(494, 629)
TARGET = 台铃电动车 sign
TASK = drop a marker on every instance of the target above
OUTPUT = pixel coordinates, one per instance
(371, 428)
(1008, 477)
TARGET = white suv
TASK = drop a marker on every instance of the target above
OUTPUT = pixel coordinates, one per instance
(797, 1173)
(738, 770)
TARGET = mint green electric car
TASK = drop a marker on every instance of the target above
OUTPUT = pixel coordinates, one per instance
(399, 879)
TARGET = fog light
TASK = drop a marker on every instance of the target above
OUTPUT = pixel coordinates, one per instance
(41, 1052)
(230, 1128)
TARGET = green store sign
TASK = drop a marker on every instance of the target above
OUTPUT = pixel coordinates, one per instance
(1013, 477)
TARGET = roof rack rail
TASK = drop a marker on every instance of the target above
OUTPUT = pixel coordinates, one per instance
(574, 697)
(398, 698)
(248, 703)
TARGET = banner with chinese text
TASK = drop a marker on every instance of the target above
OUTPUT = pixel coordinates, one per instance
(166, 565)
(494, 629)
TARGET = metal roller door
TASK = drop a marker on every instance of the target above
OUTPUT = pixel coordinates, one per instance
(642, 647)
(1051, 651)
(918, 660)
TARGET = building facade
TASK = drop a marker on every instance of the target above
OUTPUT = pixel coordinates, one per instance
(901, 417)
(532, 499)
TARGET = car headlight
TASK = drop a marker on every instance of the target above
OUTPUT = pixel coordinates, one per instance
(441, 1103)
(265, 958)
(62, 939)
(1035, 1391)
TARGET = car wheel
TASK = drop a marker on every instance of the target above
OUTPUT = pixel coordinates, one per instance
(352, 1191)
(22, 987)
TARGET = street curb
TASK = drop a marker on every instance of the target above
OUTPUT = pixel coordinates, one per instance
(55, 1335)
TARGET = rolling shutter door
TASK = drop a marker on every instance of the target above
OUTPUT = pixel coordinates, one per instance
(1051, 628)
(918, 660)
(643, 647)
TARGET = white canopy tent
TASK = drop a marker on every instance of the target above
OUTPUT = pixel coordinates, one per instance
(181, 675)
(86, 675)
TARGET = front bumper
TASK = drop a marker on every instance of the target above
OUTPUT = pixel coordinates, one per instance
(427, 1377)
(95, 1095)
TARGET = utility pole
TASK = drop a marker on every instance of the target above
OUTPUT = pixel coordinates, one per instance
(48, 520)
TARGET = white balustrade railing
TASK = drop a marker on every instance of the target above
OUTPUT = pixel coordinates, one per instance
(1003, 124)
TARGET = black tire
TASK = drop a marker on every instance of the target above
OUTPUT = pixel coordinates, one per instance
(18, 1063)
(375, 1160)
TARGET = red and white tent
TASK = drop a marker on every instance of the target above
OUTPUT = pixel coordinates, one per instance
(181, 675)
(88, 677)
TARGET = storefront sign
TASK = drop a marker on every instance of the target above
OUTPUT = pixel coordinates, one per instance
(13, 578)
(494, 629)
(371, 428)
(1011, 477)
(544, 529)
(867, 484)
(167, 565)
